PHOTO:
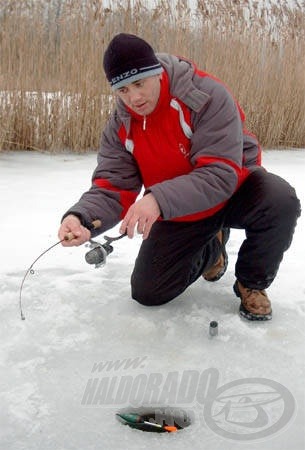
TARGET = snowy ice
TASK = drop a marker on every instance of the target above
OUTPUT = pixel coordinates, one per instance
(79, 318)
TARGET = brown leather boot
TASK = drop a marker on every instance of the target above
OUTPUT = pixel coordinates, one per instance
(255, 304)
(215, 272)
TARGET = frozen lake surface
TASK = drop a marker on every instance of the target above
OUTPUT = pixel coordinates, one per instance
(87, 351)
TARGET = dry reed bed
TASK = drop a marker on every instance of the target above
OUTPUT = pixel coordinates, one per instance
(54, 95)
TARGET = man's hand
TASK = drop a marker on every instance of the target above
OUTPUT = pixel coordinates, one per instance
(143, 213)
(71, 226)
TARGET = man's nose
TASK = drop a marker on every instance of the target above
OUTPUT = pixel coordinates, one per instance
(135, 95)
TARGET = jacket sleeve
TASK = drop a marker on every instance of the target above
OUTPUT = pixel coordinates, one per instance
(116, 183)
(216, 156)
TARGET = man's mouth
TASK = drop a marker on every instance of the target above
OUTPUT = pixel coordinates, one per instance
(140, 106)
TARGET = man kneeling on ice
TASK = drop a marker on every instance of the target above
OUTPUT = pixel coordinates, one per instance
(178, 131)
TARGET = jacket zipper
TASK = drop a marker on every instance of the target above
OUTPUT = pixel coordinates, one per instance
(144, 123)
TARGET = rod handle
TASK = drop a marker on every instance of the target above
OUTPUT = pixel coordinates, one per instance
(95, 224)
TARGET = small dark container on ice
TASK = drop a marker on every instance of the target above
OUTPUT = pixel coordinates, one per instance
(213, 330)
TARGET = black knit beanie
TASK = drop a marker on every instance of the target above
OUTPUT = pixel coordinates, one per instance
(129, 58)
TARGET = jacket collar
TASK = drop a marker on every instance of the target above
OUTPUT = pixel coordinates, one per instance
(181, 74)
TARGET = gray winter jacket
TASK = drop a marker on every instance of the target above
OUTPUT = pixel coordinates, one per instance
(222, 154)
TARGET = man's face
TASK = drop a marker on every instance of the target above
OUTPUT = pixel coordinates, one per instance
(141, 96)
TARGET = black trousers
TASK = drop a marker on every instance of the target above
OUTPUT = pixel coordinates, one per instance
(177, 253)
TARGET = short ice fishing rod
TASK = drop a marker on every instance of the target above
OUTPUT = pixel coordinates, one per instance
(95, 256)
(137, 421)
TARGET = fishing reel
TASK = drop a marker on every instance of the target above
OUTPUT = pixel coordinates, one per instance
(99, 252)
